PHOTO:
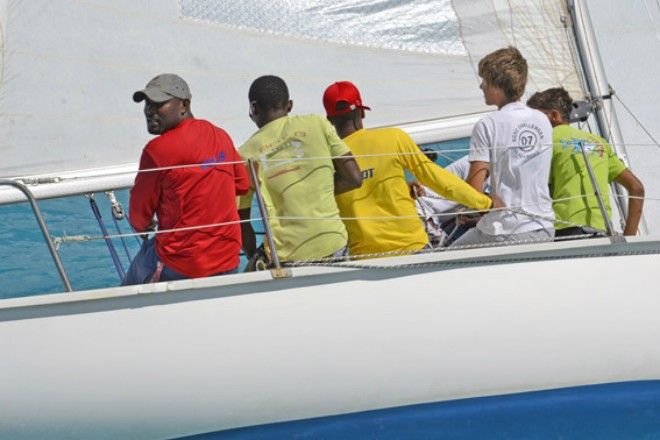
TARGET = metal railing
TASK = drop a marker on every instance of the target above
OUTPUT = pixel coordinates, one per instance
(44, 229)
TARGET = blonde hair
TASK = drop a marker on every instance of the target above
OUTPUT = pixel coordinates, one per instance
(506, 69)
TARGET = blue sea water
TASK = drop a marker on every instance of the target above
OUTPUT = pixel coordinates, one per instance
(26, 267)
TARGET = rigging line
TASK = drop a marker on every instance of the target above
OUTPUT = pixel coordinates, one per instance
(349, 258)
(108, 242)
(106, 236)
(608, 116)
(572, 45)
(473, 65)
(123, 242)
(637, 120)
(513, 29)
(648, 10)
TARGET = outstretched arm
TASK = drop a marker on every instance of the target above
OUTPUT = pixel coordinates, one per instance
(635, 200)
(347, 174)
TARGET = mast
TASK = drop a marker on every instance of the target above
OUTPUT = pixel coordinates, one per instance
(600, 91)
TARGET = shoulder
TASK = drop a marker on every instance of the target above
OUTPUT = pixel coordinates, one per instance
(486, 124)
(460, 167)
(489, 120)
(390, 133)
(309, 119)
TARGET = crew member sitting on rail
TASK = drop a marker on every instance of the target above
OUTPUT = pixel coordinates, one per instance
(513, 144)
(381, 216)
(195, 205)
(301, 164)
(571, 187)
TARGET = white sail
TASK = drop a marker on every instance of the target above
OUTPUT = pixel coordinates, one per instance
(201, 355)
(628, 37)
(70, 67)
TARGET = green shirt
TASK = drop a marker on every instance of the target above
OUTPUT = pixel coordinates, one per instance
(569, 176)
(294, 156)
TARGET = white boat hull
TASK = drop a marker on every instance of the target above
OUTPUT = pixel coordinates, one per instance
(194, 356)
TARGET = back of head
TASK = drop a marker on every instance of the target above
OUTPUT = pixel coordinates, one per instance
(556, 98)
(269, 93)
(506, 69)
(342, 97)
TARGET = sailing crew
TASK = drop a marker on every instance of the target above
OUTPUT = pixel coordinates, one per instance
(301, 165)
(571, 187)
(513, 144)
(381, 216)
(184, 196)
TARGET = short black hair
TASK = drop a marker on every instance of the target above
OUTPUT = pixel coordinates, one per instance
(269, 92)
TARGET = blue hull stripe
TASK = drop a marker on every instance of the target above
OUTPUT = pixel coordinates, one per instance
(629, 410)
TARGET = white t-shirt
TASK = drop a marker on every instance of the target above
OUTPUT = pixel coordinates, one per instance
(521, 143)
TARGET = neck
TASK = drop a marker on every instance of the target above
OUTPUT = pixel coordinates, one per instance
(270, 116)
(348, 127)
(504, 103)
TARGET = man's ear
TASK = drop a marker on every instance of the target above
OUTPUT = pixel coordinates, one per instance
(289, 106)
(555, 118)
(185, 104)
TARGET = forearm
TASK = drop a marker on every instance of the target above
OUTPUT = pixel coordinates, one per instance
(248, 236)
(343, 184)
(347, 174)
(452, 187)
(636, 193)
(635, 206)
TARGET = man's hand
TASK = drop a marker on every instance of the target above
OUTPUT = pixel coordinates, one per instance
(150, 228)
(416, 190)
(497, 202)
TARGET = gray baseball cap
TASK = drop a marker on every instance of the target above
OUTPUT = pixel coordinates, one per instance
(163, 88)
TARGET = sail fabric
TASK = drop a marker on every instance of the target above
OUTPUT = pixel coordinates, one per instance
(69, 68)
(628, 35)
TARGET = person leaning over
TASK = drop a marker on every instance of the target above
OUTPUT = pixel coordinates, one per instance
(184, 197)
(513, 144)
(570, 183)
(383, 156)
(301, 165)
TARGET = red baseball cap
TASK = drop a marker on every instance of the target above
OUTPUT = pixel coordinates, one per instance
(342, 91)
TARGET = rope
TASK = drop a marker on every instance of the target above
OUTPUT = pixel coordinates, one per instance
(111, 247)
(348, 259)
(644, 129)
(123, 241)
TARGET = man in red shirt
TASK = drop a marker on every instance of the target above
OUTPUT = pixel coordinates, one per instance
(189, 178)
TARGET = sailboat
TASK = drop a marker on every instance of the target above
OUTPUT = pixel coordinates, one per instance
(559, 337)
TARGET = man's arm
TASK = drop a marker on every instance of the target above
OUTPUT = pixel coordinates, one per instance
(347, 174)
(241, 179)
(144, 196)
(635, 200)
(477, 175)
(247, 233)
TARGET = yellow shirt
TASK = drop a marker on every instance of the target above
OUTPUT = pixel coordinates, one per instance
(385, 193)
(294, 155)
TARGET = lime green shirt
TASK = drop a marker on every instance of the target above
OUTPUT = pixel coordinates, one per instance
(569, 176)
(294, 156)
